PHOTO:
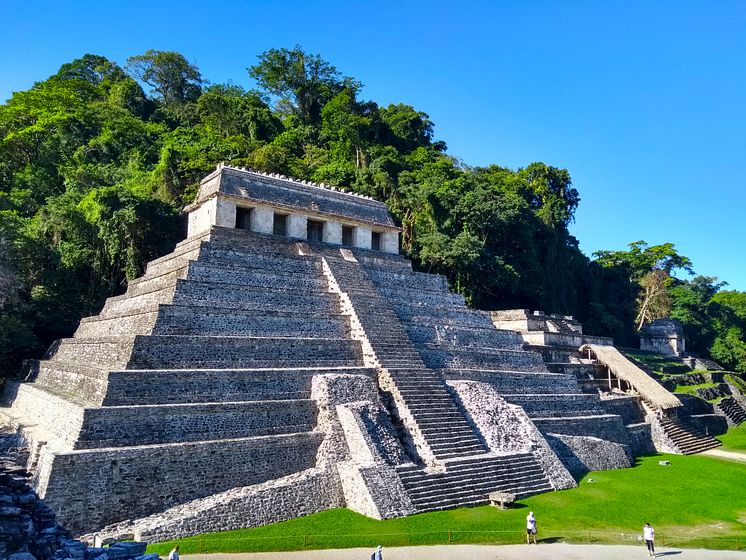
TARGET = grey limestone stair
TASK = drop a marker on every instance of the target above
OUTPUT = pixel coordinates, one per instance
(468, 481)
(422, 391)
(686, 437)
(731, 408)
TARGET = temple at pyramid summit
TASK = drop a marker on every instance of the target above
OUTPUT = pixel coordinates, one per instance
(285, 359)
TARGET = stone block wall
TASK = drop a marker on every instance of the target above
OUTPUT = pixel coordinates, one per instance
(581, 454)
(89, 489)
(210, 385)
(123, 426)
(441, 356)
(627, 407)
(58, 418)
(85, 384)
(295, 495)
(607, 427)
(512, 382)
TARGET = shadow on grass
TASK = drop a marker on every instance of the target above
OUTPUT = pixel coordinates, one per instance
(551, 540)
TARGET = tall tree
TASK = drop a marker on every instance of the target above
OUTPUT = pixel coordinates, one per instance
(173, 78)
(303, 82)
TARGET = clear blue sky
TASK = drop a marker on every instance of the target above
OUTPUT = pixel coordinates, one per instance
(644, 102)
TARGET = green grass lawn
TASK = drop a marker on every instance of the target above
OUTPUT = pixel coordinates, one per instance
(655, 362)
(734, 439)
(694, 502)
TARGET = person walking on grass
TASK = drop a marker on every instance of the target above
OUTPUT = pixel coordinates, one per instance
(648, 533)
(530, 527)
(174, 554)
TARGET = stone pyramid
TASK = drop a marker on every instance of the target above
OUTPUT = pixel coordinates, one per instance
(285, 359)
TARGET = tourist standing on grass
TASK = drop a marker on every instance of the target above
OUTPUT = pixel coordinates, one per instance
(648, 533)
(174, 554)
(378, 554)
(530, 527)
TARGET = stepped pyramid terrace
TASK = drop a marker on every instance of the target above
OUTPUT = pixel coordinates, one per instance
(285, 359)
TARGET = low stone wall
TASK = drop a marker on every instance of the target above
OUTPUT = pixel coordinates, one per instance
(608, 427)
(304, 493)
(414, 296)
(628, 407)
(122, 305)
(640, 438)
(558, 405)
(460, 317)
(166, 474)
(411, 280)
(581, 454)
(52, 414)
(131, 324)
(206, 294)
(83, 383)
(575, 340)
(709, 424)
(94, 352)
(179, 320)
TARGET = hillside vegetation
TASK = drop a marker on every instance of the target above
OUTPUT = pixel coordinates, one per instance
(97, 161)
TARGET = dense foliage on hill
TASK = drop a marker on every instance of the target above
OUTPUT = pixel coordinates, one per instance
(94, 172)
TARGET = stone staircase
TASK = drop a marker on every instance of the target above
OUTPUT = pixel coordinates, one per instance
(463, 343)
(687, 439)
(463, 471)
(732, 410)
(430, 409)
(467, 482)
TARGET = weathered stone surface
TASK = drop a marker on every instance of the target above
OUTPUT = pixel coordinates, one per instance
(249, 378)
(586, 453)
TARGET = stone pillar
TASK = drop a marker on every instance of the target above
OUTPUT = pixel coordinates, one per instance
(390, 242)
(262, 219)
(225, 213)
(361, 237)
(297, 226)
(333, 233)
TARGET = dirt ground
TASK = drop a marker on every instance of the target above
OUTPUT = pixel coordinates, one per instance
(555, 551)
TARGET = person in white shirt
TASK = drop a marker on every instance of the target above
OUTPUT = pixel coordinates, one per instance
(648, 533)
(174, 554)
(530, 527)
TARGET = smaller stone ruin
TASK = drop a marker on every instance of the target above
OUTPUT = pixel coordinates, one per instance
(663, 336)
